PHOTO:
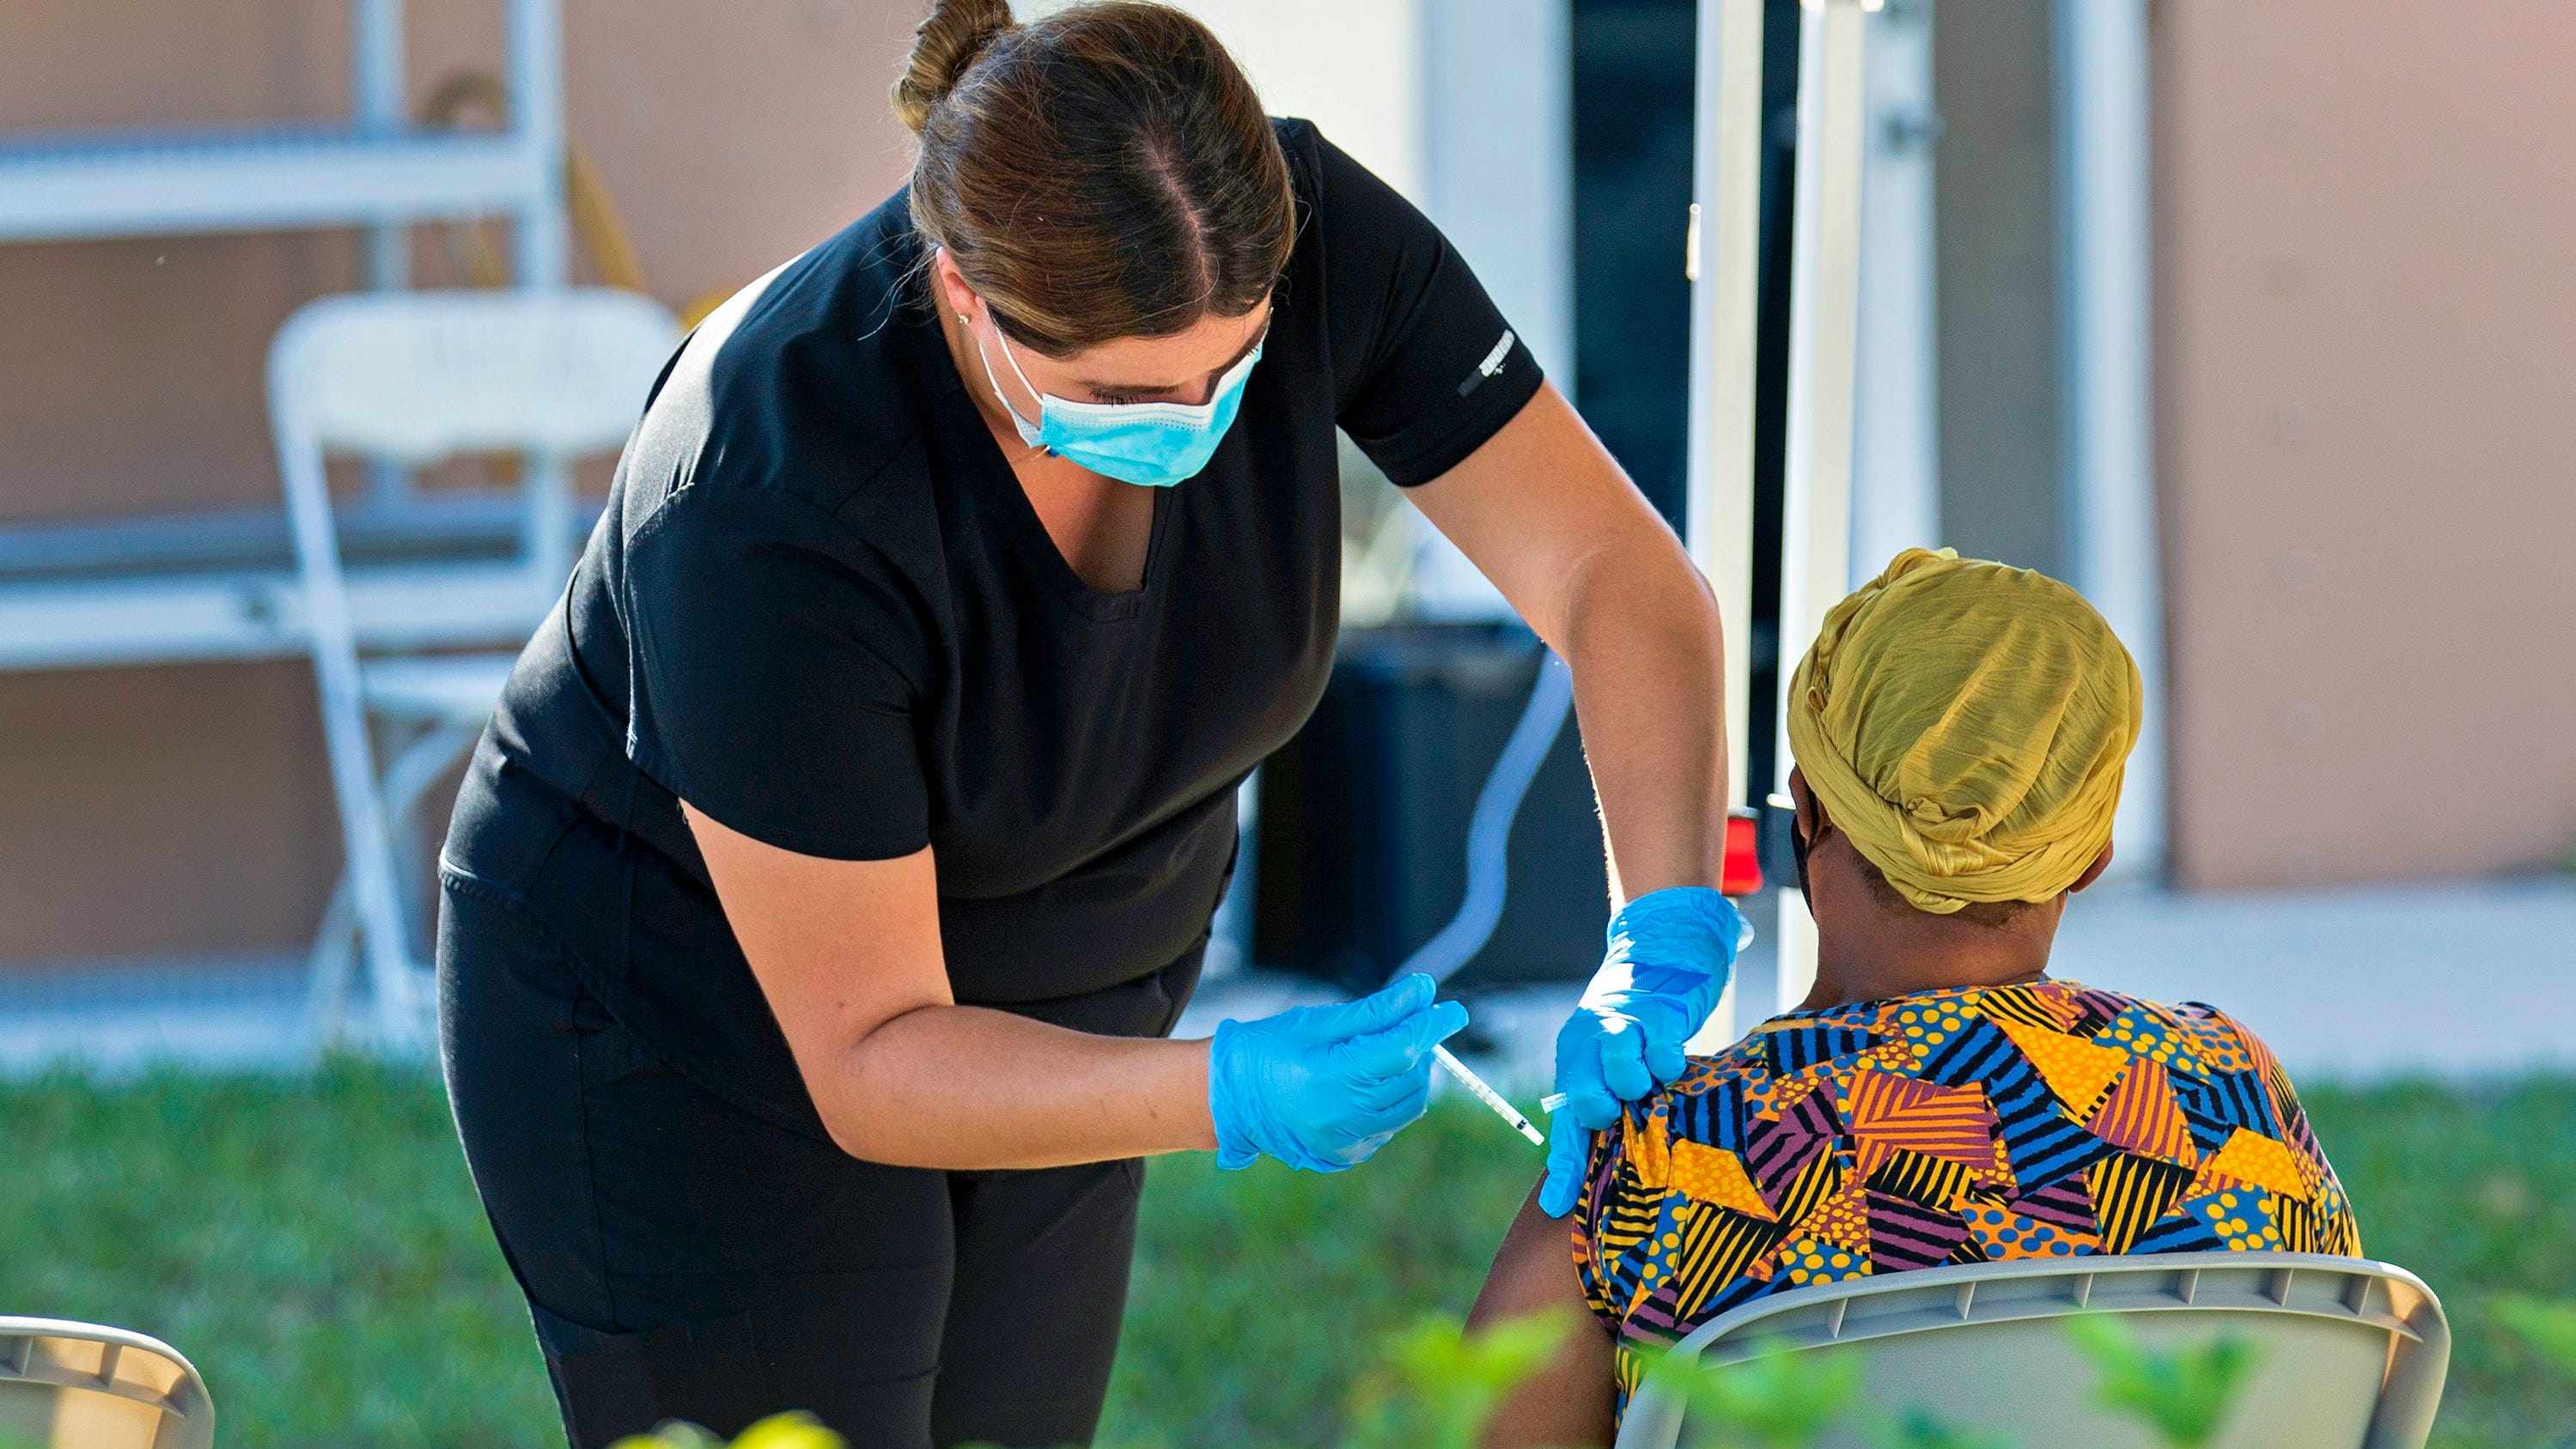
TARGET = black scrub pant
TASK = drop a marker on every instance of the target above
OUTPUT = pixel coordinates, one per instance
(685, 1259)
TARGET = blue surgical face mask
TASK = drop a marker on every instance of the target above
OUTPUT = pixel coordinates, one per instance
(1156, 444)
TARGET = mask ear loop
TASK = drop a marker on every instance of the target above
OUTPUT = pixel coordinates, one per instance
(1028, 430)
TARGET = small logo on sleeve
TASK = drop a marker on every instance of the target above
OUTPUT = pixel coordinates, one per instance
(1492, 366)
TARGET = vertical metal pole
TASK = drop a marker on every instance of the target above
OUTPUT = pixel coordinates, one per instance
(1896, 444)
(2107, 361)
(1815, 545)
(1723, 257)
(540, 244)
(537, 120)
(377, 81)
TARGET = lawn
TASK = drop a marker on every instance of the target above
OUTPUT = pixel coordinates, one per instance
(315, 1246)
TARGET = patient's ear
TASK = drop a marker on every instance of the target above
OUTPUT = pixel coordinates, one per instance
(2094, 871)
(1802, 799)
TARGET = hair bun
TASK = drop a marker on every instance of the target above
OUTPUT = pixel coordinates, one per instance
(947, 42)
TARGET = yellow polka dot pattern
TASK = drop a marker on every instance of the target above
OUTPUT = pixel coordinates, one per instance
(1808, 1260)
(1715, 1176)
(2039, 1120)
(2262, 1161)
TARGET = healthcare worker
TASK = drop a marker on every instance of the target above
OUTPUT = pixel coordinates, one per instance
(847, 840)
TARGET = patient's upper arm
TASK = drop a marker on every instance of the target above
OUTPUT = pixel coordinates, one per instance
(1569, 1402)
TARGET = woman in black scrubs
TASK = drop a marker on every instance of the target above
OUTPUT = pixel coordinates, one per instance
(847, 841)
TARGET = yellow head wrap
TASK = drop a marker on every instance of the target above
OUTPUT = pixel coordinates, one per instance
(1965, 724)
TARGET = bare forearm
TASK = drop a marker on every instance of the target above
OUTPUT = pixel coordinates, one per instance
(969, 1088)
(1650, 688)
(1545, 511)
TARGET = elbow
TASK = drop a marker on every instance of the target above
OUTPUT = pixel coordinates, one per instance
(859, 1087)
(851, 1100)
(864, 1135)
(850, 1134)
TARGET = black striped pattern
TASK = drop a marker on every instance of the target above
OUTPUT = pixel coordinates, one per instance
(2129, 1193)
(2063, 1203)
(2180, 1233)
(1779, 1150)
(1905, 1234)
(2095, 1010)
(1971, 1056)
(1931, 1181)
(2040, 1140)
(1715, 1117)
(2021, 1004)
(1791, 1050)
(2216, 1105)
(2302, 1228)
(1718, 1244)
(1818, 1180)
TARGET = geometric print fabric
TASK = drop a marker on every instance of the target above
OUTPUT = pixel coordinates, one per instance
(2048, 1119)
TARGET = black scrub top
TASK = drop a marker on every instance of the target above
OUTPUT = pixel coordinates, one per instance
(820, 609)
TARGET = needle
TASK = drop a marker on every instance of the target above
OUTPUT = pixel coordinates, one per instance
(1486, 1094)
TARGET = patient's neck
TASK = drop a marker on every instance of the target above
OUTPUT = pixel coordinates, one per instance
(1871, 945)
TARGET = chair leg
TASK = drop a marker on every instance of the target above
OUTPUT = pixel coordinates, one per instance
(327, 970)
(417, 766)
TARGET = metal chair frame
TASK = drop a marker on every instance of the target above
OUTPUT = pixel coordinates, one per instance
(415, 377)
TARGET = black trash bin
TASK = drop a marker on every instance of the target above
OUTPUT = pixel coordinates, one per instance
(1363, 830)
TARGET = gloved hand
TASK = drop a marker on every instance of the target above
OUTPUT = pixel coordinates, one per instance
(1670, 954)
(1322, 1087)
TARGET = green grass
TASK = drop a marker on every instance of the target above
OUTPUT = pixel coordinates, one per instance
(315, 1246)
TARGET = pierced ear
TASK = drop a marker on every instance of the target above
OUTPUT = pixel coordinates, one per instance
(954, 293)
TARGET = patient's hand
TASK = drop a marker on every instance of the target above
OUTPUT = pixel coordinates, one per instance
(1669, 956)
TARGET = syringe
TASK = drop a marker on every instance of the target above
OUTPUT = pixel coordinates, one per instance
(1486, 1094)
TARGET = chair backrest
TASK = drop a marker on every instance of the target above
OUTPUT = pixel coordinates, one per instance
(418, 376)
(2352, 1353)
(67, 1385)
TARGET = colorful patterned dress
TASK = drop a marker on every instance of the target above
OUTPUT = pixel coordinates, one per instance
(2043, 1120)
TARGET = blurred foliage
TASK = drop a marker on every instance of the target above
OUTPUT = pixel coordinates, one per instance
(2550, 1328)
(1440, 1384)
(1261, 1295)
(793, 1430)
(1915, 1429)
(2182, 1393)
(1774, 1400)
(2473, 1189)
(314, 1245)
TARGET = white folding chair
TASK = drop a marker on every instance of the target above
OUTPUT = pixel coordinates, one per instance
(415, 377)
(67, 1385)
(2352, 1352)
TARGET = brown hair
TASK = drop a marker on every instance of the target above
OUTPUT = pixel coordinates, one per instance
(1105, 172)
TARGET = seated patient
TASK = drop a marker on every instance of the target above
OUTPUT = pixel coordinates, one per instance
(1960, 729)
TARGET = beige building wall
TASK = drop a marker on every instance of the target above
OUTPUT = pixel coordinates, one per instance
(2369, 324)
(2368, 296)
(163, 810)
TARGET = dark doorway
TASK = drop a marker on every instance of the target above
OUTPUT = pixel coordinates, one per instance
(1633, 103)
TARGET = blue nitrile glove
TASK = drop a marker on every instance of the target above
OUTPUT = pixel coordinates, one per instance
(1322, 1087)
(1670, 953)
